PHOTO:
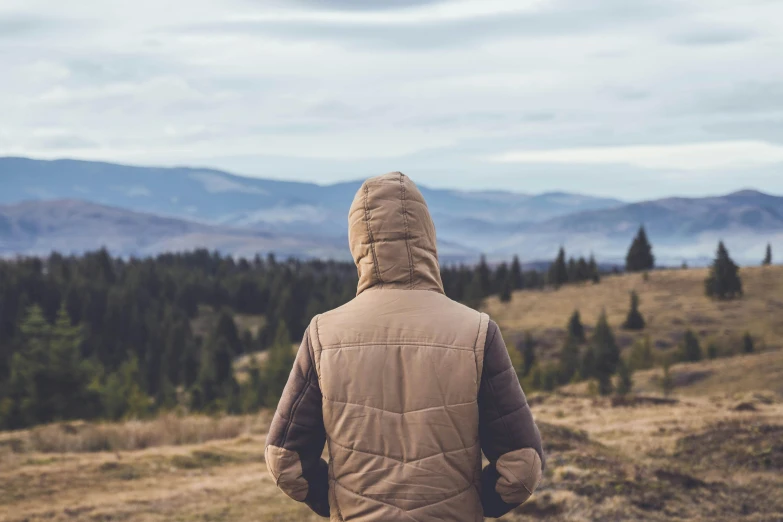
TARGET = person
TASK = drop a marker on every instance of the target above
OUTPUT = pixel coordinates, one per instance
(404, 386)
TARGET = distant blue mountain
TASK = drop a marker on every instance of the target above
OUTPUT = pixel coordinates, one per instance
(217, 197)
(76, 205)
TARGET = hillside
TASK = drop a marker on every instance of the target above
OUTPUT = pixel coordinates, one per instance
(712, 452)
(701, 458)
(671, 301)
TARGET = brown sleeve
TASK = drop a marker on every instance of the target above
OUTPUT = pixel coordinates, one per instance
(296, 436)
(509, 436)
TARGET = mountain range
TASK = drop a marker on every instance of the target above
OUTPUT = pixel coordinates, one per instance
(72, 206)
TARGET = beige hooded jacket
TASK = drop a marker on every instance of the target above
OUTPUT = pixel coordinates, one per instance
(405, 387)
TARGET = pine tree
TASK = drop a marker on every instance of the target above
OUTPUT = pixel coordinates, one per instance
(747, 343)
(558, 271)
(278, 365)
(569, 360)
(607, 354)
(634, 320)
(484, 275)
(517, 278)
(624, 378)
(49, 381)
(595, 275)
(723, 281)
(640, 257)
(587, 366)
(768, 257)
(528, 350)
(690, 350)
(575, 328)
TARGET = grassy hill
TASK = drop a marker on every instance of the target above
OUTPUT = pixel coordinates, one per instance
(671, 301)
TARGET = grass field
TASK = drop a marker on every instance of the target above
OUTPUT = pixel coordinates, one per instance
(715, 452)
(671, 301)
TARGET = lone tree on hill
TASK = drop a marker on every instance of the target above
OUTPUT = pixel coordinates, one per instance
(690, 350)
(558, 271)
(724, 281)
(640, 256)
(768, 257)
(634, 321)
(607, 354)
(575, 328)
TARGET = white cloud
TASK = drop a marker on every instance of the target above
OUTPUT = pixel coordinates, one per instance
(328, 90)
(685, 156)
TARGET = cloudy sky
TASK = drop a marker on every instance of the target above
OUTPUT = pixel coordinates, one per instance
(633, 99)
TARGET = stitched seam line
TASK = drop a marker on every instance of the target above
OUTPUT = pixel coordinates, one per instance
(293, 411)
(407, 238)
(337, 483)
(407, 512)
(398, 412)
(398, 343)
(399, 459)
(369, 234)
(475, 354)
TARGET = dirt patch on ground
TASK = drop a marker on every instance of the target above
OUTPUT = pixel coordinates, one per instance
(737, 444)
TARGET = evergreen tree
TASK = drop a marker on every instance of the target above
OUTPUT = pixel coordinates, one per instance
(690, 350)
(723, 281)
(747, 343)
(571, 270)
(595, 275)
(624, 378)
(278, 365)
(484, 275)
(587, 367)
(569, 360)
(474, 293)
(528, 350)
(640, 257)
(558, 271)
(607, 354)
(575, 328)
(49, 381)
(768, 256)
(641, 357)
(254, 388)
(634, 320)
(517, 280)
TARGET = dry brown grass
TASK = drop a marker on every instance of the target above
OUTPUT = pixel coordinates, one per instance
(165, 430)
(671, 301)
(647, 462)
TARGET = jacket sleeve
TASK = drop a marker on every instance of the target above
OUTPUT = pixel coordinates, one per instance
(297, 436)
(509, 436)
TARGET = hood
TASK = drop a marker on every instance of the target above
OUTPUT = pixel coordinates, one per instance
(392, 236)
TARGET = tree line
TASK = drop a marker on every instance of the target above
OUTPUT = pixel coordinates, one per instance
(95, 336)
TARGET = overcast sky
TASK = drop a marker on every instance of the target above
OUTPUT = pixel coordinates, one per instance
(627, 98)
